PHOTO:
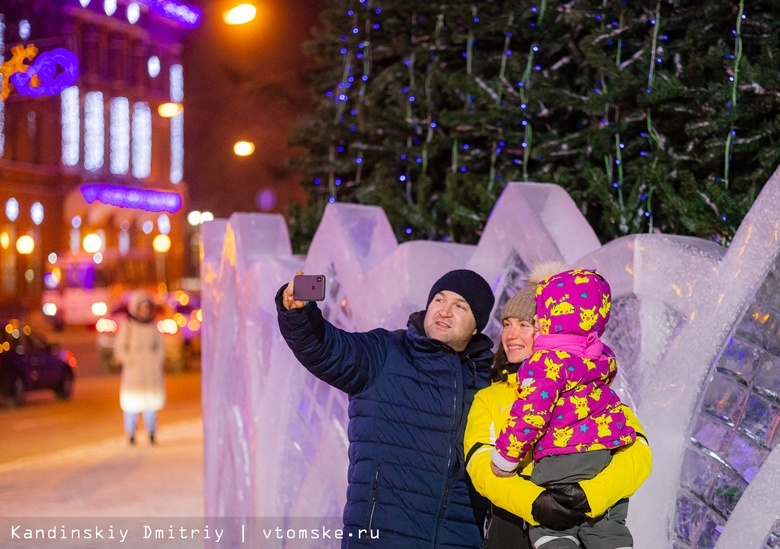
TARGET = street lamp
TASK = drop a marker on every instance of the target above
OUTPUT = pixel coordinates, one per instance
(161, 244)
(244, 148)
(243, 13)
(92, 243)
(169, 109)
(25, 245)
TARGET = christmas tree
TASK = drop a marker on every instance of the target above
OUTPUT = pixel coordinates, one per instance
(655, 116)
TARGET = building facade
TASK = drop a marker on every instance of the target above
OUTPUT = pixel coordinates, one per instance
(86, 153)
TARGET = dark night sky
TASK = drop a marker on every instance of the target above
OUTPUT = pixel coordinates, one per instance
(245, 82)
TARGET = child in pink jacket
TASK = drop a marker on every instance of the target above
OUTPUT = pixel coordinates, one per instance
(566, 412)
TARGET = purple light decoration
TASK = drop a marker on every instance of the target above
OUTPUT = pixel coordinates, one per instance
(129, 197)
(51, 80)
(178, 11)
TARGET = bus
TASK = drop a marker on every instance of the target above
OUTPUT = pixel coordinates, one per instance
(78, 287)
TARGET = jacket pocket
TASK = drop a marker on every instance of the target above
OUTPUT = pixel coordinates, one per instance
(374, 490)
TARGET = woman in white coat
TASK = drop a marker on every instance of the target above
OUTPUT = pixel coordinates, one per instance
(139, 348)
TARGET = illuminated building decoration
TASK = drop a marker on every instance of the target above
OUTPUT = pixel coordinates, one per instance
(52, 72)
(119, 129)
(71, 125)
(94, 131)
(142, 140)
(129, 197)
(178, 11)
(19, 54)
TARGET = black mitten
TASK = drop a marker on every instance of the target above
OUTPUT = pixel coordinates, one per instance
(571, 496)
(550, 513)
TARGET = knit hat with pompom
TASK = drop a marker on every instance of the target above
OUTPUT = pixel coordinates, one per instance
(522, 305)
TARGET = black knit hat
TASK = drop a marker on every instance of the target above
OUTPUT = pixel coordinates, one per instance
(471, 287)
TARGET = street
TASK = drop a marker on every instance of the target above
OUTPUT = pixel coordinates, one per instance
(45, 424)
(71, 458)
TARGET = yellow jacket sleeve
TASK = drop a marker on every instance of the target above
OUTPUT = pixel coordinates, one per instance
(629, 468)
(488, 415)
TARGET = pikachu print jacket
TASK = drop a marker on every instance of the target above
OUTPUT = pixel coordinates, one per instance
(565, 404)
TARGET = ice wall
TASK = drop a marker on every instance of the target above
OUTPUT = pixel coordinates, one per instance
(686, 314)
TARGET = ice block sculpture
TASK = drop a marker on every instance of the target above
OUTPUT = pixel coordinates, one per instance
(696, 328)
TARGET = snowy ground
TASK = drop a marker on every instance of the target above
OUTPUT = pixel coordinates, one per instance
(105, 488)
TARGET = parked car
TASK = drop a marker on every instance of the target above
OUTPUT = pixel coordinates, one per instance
(29, 363)
(178, 319)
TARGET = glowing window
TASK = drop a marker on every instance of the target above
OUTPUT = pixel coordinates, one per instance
(12, 209)
(177, 125)
(2, 122)
(120, 135)
(142, 140)
(24, 29)
(133, 13)
(124, 242)
(164, 224)
(177, 83)
(153, 66)
(94, 131)
(109, 6)
(36, 213)
(71, 125)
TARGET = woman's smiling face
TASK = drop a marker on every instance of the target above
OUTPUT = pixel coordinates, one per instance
(517, 338)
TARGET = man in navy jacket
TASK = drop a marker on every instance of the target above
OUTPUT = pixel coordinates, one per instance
(409, 396)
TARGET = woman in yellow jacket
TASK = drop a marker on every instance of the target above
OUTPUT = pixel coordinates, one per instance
(516, 500)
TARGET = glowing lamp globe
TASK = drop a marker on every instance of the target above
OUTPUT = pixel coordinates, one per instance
(169, 110)
(99, 308)
(25, 245)
(243, 13)
(92, 243)
(161, 243)
(244, 148)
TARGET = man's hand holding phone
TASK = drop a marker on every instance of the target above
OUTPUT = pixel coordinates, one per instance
(309, 288)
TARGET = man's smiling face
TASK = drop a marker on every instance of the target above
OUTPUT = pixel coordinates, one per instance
(449, 319)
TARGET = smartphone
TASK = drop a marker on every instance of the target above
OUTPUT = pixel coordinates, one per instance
(309, 287)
